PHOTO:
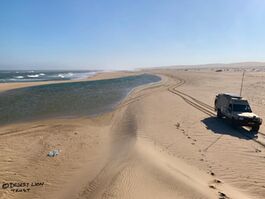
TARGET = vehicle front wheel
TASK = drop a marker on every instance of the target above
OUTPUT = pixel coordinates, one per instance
(255, 128)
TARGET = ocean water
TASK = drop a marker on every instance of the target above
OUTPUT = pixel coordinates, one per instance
(34, 76)
(67, 99)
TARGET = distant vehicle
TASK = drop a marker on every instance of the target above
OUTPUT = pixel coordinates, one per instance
(237, 110)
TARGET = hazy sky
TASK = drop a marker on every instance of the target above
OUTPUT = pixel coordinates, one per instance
(97, 34)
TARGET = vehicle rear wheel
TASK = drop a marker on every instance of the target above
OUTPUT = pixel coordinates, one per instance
(219, 113)
(255, 128)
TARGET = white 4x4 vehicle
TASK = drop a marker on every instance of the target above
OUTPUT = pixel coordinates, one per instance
(237, 110)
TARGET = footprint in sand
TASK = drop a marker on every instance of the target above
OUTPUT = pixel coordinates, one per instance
(222, 195)
(212, 187)
(217, 181)
(177, 125)
(209, 166)
(257, 150)
(211, 173)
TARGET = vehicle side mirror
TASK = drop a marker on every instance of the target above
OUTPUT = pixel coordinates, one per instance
(229, 109)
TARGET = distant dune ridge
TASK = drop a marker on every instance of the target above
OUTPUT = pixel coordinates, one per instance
(240, 65)
(155, 144)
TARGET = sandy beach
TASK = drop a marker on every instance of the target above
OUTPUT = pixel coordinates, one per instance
(162, 141)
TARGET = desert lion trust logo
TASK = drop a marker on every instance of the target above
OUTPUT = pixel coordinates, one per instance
(20, 186)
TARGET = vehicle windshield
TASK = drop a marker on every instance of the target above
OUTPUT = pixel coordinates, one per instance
(241, 108)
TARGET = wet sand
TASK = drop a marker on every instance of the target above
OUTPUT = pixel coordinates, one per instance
(155, 144)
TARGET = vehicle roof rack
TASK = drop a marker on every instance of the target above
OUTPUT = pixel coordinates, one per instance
(233, 95)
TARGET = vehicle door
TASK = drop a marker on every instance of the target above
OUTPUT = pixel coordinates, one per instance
(229, 111)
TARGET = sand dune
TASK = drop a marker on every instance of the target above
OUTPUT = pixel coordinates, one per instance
(154, 145)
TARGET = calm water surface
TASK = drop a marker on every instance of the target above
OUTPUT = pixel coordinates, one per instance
(67, 99)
